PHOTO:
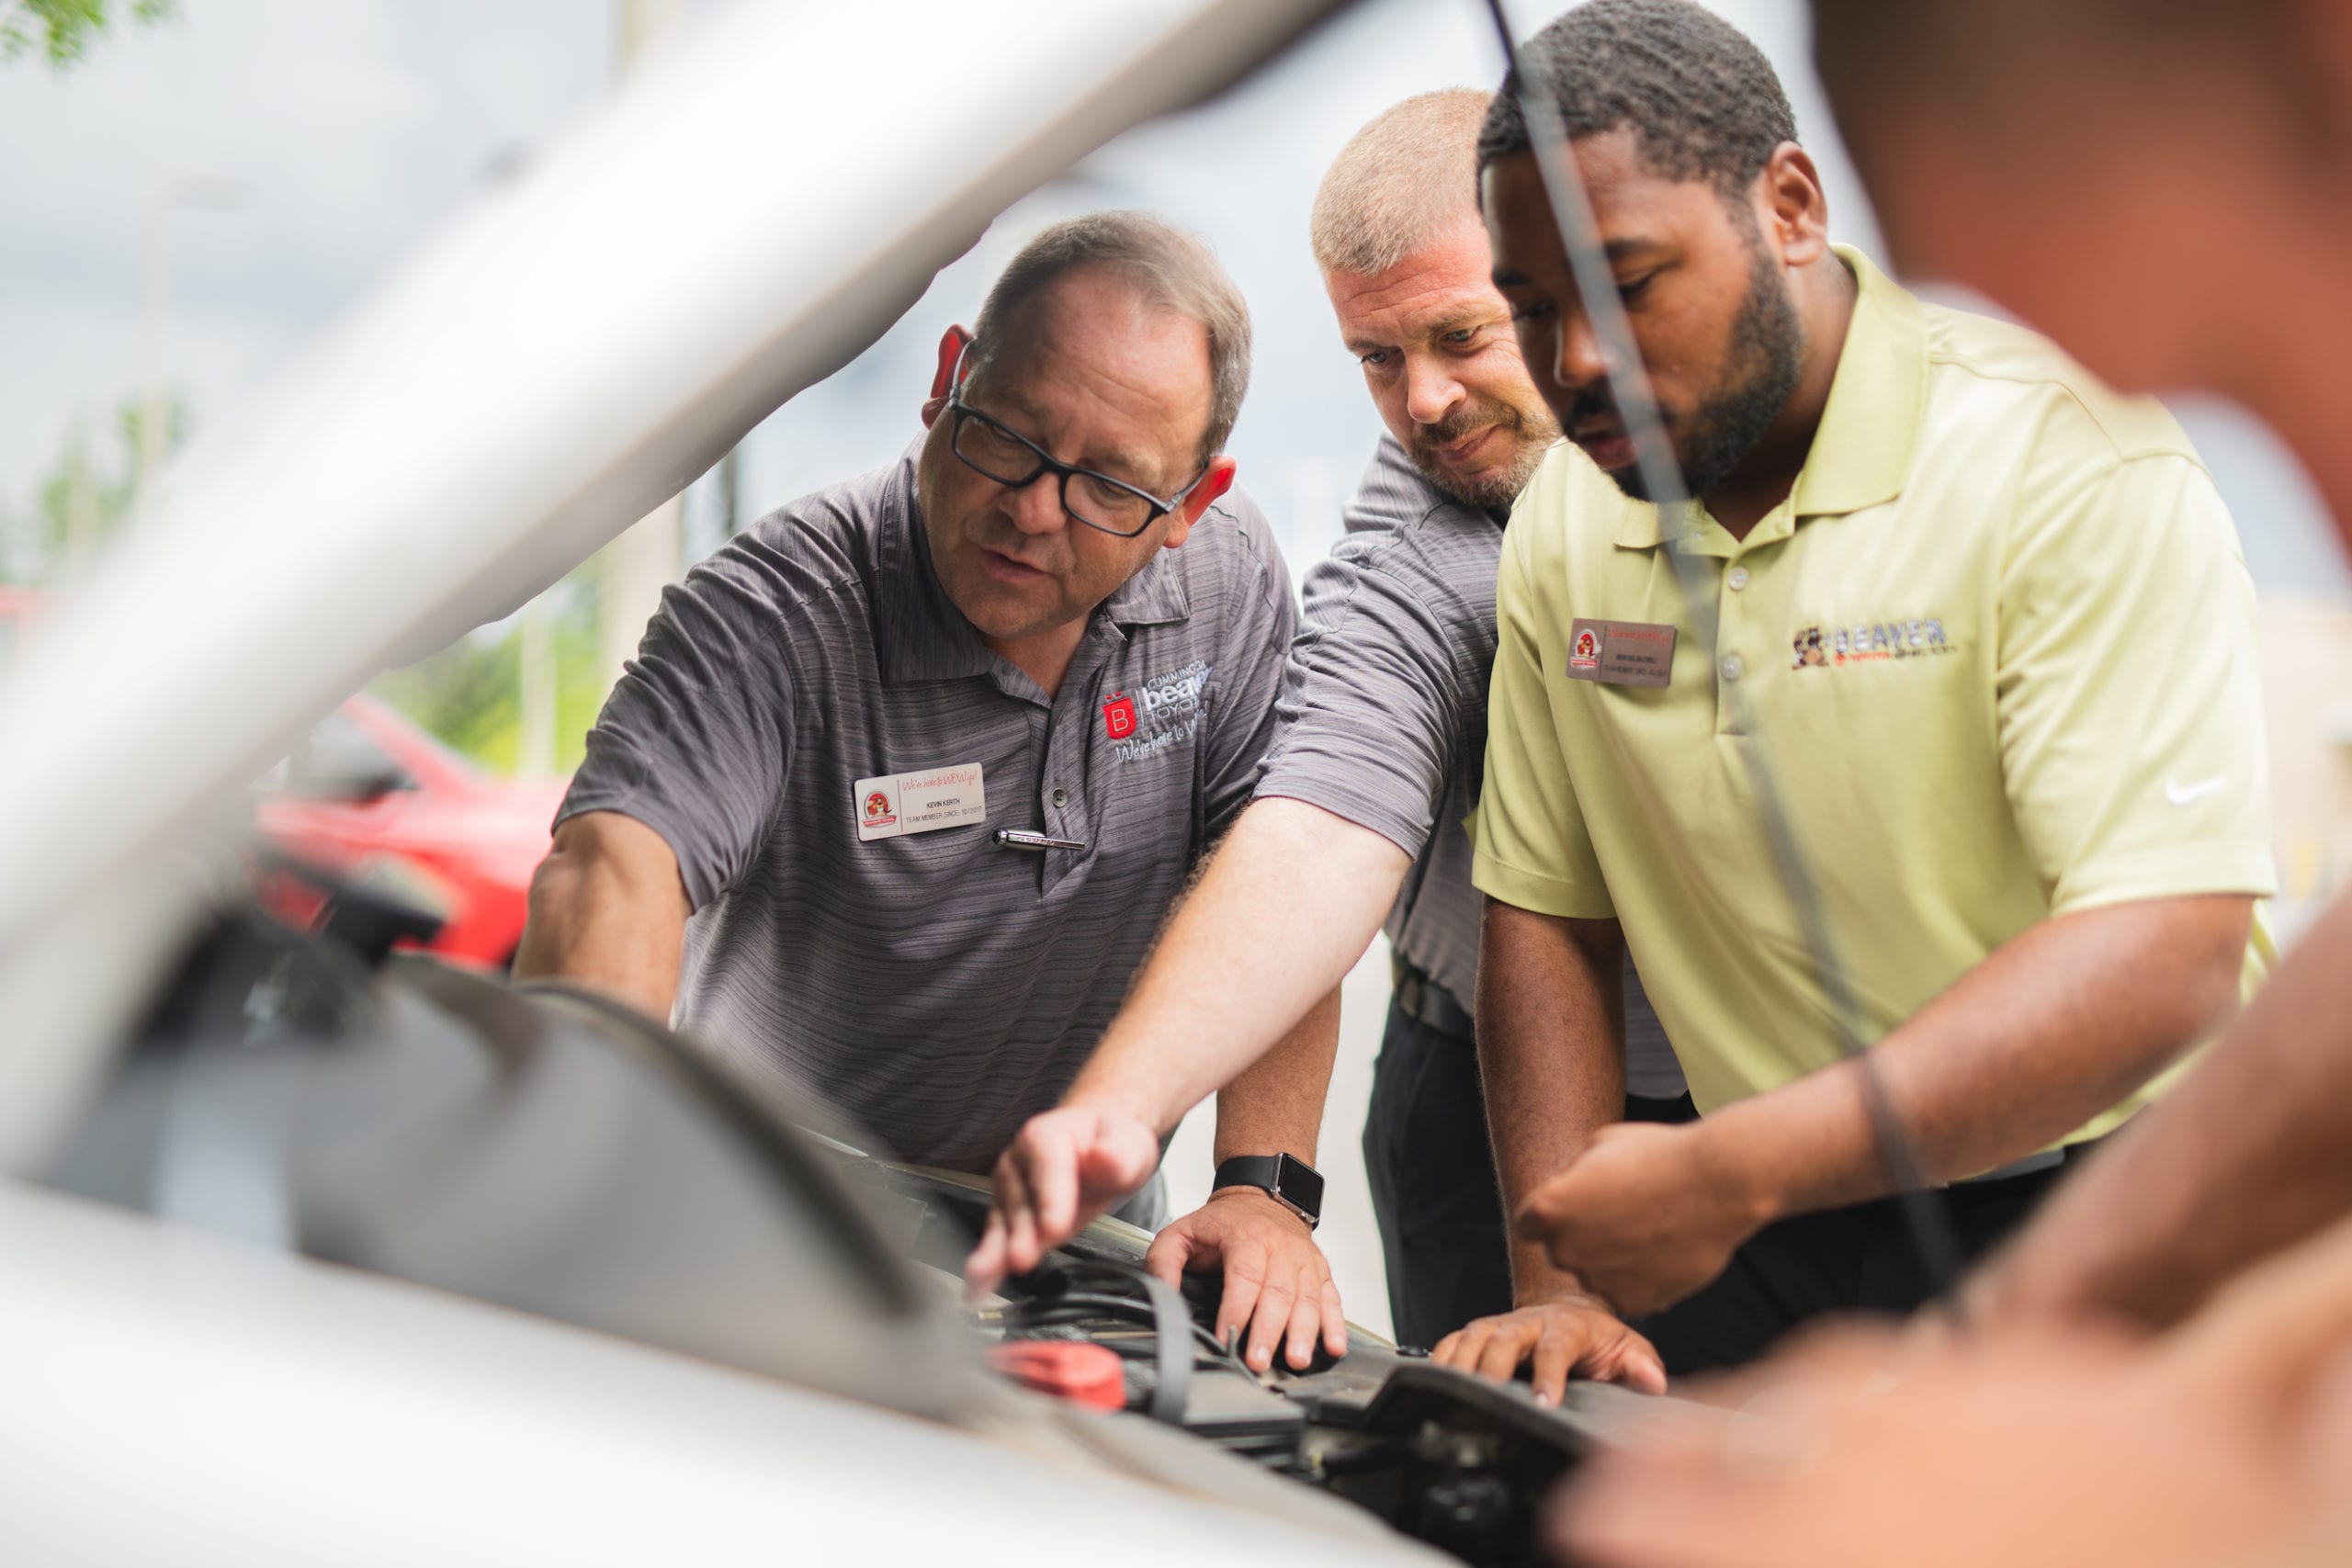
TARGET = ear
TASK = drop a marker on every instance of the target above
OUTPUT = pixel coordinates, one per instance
(951, 348)
(1791, 208)
(1215, 483)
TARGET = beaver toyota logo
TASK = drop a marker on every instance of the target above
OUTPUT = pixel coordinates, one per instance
(1817, 649)
(1165, 712)
(1585, 654)
(1119, 716)
(880, 810)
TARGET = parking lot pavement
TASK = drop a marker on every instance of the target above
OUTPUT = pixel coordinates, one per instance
(1348, 1238)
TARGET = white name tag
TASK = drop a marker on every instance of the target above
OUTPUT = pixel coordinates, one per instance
(919, 803)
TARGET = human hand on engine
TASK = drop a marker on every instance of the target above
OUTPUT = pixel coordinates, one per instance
(1643, 1218)
(1563, 1333)
(1277, 1283)
(1066, 1166)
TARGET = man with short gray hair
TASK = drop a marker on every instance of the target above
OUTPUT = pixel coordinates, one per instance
(904, 779)
(1376, 765)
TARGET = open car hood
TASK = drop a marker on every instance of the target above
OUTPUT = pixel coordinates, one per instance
(751, 211)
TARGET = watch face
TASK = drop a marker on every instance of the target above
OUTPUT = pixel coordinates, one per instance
(1301, 1183)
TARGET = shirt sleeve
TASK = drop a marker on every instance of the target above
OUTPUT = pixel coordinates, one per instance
(695, 741)
(1373, 694)
(2127, 692)
(1261, 624)
(1533, 849)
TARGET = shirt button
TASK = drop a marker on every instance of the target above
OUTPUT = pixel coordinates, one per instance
(1061, 797)
(1733, 667)
(1737, 578)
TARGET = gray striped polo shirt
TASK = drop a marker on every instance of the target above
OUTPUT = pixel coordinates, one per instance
(933, 986)
(1384, 719)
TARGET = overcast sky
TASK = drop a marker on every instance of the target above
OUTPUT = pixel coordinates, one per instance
(355, 126)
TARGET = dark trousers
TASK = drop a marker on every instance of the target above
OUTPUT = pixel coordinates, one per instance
(1442, 1228)
(1860, 1258)
(1432, 1175)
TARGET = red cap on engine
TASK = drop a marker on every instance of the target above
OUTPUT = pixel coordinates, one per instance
(1084, 1375)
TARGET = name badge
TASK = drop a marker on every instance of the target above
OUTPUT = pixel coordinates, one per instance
(919, 803)
(1620, 653)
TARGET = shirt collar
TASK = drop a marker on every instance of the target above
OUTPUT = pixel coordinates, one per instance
(920, 635)
(1863, 449)
(1155, 595)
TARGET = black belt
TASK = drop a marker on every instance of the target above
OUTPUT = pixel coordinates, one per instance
(1429, 1004)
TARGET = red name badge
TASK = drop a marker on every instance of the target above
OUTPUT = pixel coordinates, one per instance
(1119, 716)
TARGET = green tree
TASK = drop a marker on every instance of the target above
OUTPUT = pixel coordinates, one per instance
(469, 693)
(61, 30)
(83, 499)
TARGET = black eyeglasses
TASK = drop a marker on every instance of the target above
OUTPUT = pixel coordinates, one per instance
(997, 452)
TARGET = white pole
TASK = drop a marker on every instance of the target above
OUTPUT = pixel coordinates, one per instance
(635, 567)
(154, 319)
(155, 324)
(80, 514)
(535, 746)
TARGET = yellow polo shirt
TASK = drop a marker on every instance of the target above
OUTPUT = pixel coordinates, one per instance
(1996, 650)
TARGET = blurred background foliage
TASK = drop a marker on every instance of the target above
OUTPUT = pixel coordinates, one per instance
(468, 694)
(59, 29)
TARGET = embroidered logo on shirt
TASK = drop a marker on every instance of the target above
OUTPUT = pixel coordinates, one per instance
(1119, 716)
(1169, 705)
(1868, 644)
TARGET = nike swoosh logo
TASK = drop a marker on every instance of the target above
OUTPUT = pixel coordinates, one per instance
(2182, 795)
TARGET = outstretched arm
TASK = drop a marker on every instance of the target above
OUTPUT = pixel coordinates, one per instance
(607, 911)
(1287, 907)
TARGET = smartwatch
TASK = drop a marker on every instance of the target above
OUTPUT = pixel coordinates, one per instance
(1295, 1184)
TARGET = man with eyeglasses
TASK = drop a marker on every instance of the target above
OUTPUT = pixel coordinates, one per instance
(889, 806)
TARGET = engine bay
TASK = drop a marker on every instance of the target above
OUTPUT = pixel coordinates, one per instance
(550, 1151)
(1453, 1460)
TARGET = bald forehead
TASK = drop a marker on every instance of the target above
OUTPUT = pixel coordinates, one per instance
(1096, 347)
(1117, 316)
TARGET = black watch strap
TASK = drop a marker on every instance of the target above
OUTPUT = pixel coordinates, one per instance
(1292, 1183)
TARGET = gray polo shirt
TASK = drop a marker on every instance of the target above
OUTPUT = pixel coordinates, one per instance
(1384, 719)
(937, 987)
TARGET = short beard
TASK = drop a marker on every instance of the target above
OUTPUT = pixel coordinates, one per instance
(1530, 432)
(1767, 362)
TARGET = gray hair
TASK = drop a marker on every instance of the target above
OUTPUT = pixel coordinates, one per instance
(1171, 268)
(1402, 181)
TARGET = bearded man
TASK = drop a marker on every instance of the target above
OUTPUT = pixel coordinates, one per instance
(1931, 605)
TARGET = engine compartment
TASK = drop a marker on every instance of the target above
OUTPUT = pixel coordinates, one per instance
(550, 1151)
(1450, 1458)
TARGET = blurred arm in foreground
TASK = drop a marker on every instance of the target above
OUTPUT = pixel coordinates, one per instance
(2224, 1441)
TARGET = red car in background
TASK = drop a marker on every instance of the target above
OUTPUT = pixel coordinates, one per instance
(372, 798)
